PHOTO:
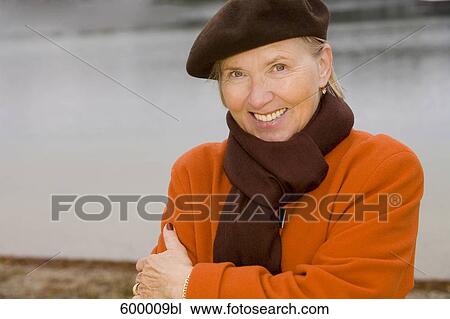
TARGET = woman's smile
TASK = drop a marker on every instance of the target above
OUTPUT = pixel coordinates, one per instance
(272, 120)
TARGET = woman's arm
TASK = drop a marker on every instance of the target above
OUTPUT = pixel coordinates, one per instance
(358, 260)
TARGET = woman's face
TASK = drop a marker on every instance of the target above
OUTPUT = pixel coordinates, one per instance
(272, 91)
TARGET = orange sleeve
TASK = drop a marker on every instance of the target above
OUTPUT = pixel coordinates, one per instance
(365, 259)
(185, 230)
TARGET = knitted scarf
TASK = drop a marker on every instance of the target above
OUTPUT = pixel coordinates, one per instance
(262, 172)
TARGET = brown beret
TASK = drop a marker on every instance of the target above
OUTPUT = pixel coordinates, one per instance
(242, 25)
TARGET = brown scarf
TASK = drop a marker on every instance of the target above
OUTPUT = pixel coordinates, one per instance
(265, 171)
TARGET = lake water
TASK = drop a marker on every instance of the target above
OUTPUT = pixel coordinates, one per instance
(67, 129)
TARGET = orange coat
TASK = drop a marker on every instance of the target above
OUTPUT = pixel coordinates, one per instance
(322, 259)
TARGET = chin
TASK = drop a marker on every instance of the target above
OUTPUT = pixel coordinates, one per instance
(273, 137)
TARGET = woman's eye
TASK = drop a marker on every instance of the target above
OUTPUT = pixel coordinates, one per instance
(279, 67)
(236, 74)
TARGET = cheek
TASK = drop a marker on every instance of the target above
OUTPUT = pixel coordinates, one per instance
(300, 90)
(234, 97)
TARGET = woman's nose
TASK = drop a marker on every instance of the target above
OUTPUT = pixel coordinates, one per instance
(259, 95)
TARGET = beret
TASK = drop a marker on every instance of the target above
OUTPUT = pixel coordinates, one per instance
(242, 25)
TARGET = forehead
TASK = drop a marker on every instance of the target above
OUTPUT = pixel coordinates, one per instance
(290, 48)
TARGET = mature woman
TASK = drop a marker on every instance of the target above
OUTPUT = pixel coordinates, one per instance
(296, 203)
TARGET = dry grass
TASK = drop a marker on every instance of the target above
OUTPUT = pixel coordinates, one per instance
(19, 278)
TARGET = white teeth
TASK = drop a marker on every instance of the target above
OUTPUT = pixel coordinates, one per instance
(270, 117)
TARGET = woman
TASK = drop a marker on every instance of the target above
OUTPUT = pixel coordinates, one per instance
(299, 203)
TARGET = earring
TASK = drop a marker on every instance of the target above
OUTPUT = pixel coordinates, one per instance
(324, 90)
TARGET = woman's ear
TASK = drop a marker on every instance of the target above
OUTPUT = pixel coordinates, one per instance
(325, 64)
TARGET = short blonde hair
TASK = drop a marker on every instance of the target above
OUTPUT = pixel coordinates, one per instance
(315, 44)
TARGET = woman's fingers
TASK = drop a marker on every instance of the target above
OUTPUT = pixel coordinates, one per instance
(148, 281)
(140, 264)
(145, 291)
(150, 261)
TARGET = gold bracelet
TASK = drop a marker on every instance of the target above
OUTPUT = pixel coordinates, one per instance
(185, 286)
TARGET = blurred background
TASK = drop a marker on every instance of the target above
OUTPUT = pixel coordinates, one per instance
(78, 80)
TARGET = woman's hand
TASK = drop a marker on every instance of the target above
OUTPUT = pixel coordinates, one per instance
(162, 275)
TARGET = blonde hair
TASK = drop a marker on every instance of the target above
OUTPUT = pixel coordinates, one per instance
(315, 45)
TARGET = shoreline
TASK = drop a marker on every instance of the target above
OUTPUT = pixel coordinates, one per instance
(180, 15)
(31, 277)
